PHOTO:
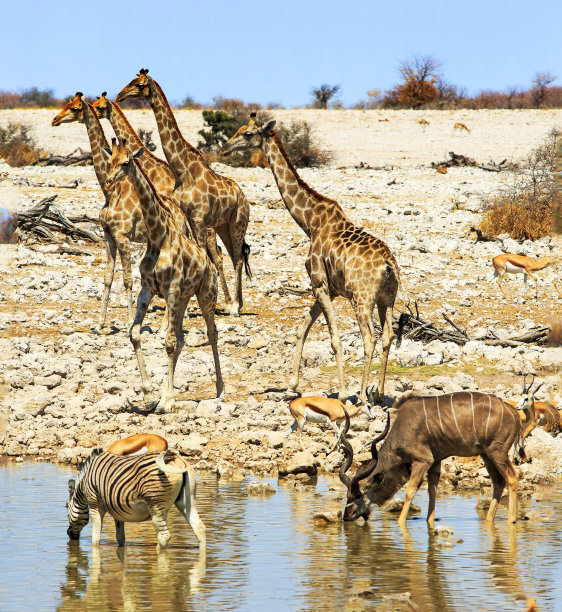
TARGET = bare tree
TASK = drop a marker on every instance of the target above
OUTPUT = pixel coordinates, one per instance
(323, 94)
(539, 91)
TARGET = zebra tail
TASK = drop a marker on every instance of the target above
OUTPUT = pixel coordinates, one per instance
(161, 463)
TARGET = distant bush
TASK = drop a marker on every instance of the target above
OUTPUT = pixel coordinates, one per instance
(17, 146)
(323, 94)
(301, 145)
(524, 209)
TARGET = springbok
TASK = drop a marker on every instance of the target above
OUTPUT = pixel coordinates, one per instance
(534, 413)
(424, 123)
(426, 431)
(508, 263)
(138, 444)
(461, 126)
(317, 409)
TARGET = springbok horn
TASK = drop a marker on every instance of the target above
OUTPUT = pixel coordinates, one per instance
(347, 451)
(524, 379)
(370, 467)
(533, 393)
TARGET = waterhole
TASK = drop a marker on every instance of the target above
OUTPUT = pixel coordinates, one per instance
(267, 554)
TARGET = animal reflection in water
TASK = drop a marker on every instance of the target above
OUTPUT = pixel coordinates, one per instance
(132, 488)
(166, 579)
(426, 431)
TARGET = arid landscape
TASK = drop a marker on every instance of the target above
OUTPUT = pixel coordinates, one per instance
(67, 390)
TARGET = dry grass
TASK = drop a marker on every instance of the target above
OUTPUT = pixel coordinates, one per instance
(524, 210)
(17, 146)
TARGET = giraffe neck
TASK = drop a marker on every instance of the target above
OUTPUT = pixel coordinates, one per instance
(123, 129)
(154, 211)
(308, 208)
(156, 169)
(97, 144)
(179, 153)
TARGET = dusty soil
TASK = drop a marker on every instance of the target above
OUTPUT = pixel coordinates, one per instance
(67, 390)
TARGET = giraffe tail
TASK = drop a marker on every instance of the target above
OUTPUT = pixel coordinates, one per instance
(246, 258)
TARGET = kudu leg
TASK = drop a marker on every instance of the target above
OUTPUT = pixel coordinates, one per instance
(498, 485)
(509, 476)
(416, 478)
(432, 481)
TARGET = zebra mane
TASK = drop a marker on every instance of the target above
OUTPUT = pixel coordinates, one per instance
(84, 467)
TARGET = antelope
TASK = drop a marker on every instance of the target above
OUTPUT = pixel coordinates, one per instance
(423, 122)
(317, 409)
(461, 126)
(425, 431)
(534, 413)
(508, 263)
(138, 444)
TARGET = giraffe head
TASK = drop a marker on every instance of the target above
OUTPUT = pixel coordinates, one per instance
(72, 111)
(249, 136)
(102, 106)
(120, 162)
(139, 87)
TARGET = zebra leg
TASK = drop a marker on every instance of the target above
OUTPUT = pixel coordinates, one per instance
(185, 503)
(120, 532)
(97, 523)
(159, 522)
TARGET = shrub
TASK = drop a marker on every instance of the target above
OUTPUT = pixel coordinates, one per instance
(524, 210)
(298, 139)
(17, 146)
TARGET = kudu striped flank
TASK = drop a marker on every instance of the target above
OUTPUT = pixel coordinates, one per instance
(132, 489)
(427, 430)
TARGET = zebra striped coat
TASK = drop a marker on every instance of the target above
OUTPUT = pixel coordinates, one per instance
(133, 488)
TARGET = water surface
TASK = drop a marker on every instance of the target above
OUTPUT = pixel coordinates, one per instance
(266, 554)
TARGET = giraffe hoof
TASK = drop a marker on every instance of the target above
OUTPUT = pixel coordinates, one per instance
(151, 406)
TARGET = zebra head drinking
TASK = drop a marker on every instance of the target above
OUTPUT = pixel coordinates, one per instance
(132, 488)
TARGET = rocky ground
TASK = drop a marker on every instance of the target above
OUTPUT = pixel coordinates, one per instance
(66, 390)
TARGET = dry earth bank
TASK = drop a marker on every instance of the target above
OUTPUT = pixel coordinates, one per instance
(67, 390)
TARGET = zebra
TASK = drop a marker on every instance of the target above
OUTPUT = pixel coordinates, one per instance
(132, 488)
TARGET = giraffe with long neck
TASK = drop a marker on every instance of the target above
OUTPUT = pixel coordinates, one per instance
(207, 198)
(173, 267)
(156, 169)
(121, 216)
(343, 260)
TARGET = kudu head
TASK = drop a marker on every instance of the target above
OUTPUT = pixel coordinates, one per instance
(358, 503)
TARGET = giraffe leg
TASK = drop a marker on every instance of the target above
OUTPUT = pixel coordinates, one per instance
(207, 299)
(174, 345)
(111, 254)
(124, 246)
(143, 302)
(302, 333)
(385, 316)
(432, 481)
(233, 245)
(330, 316)
(363, 313)
(217, 259)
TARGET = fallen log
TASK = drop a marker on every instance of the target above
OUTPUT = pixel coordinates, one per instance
(456, 160)
(78, 157)
(43, 218)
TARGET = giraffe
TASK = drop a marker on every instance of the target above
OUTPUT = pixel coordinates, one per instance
(157, 170)
(207, 198)
(174, 267)
(121, 216)
(343, 259)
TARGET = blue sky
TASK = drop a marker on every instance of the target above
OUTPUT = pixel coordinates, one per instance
(273, 51)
